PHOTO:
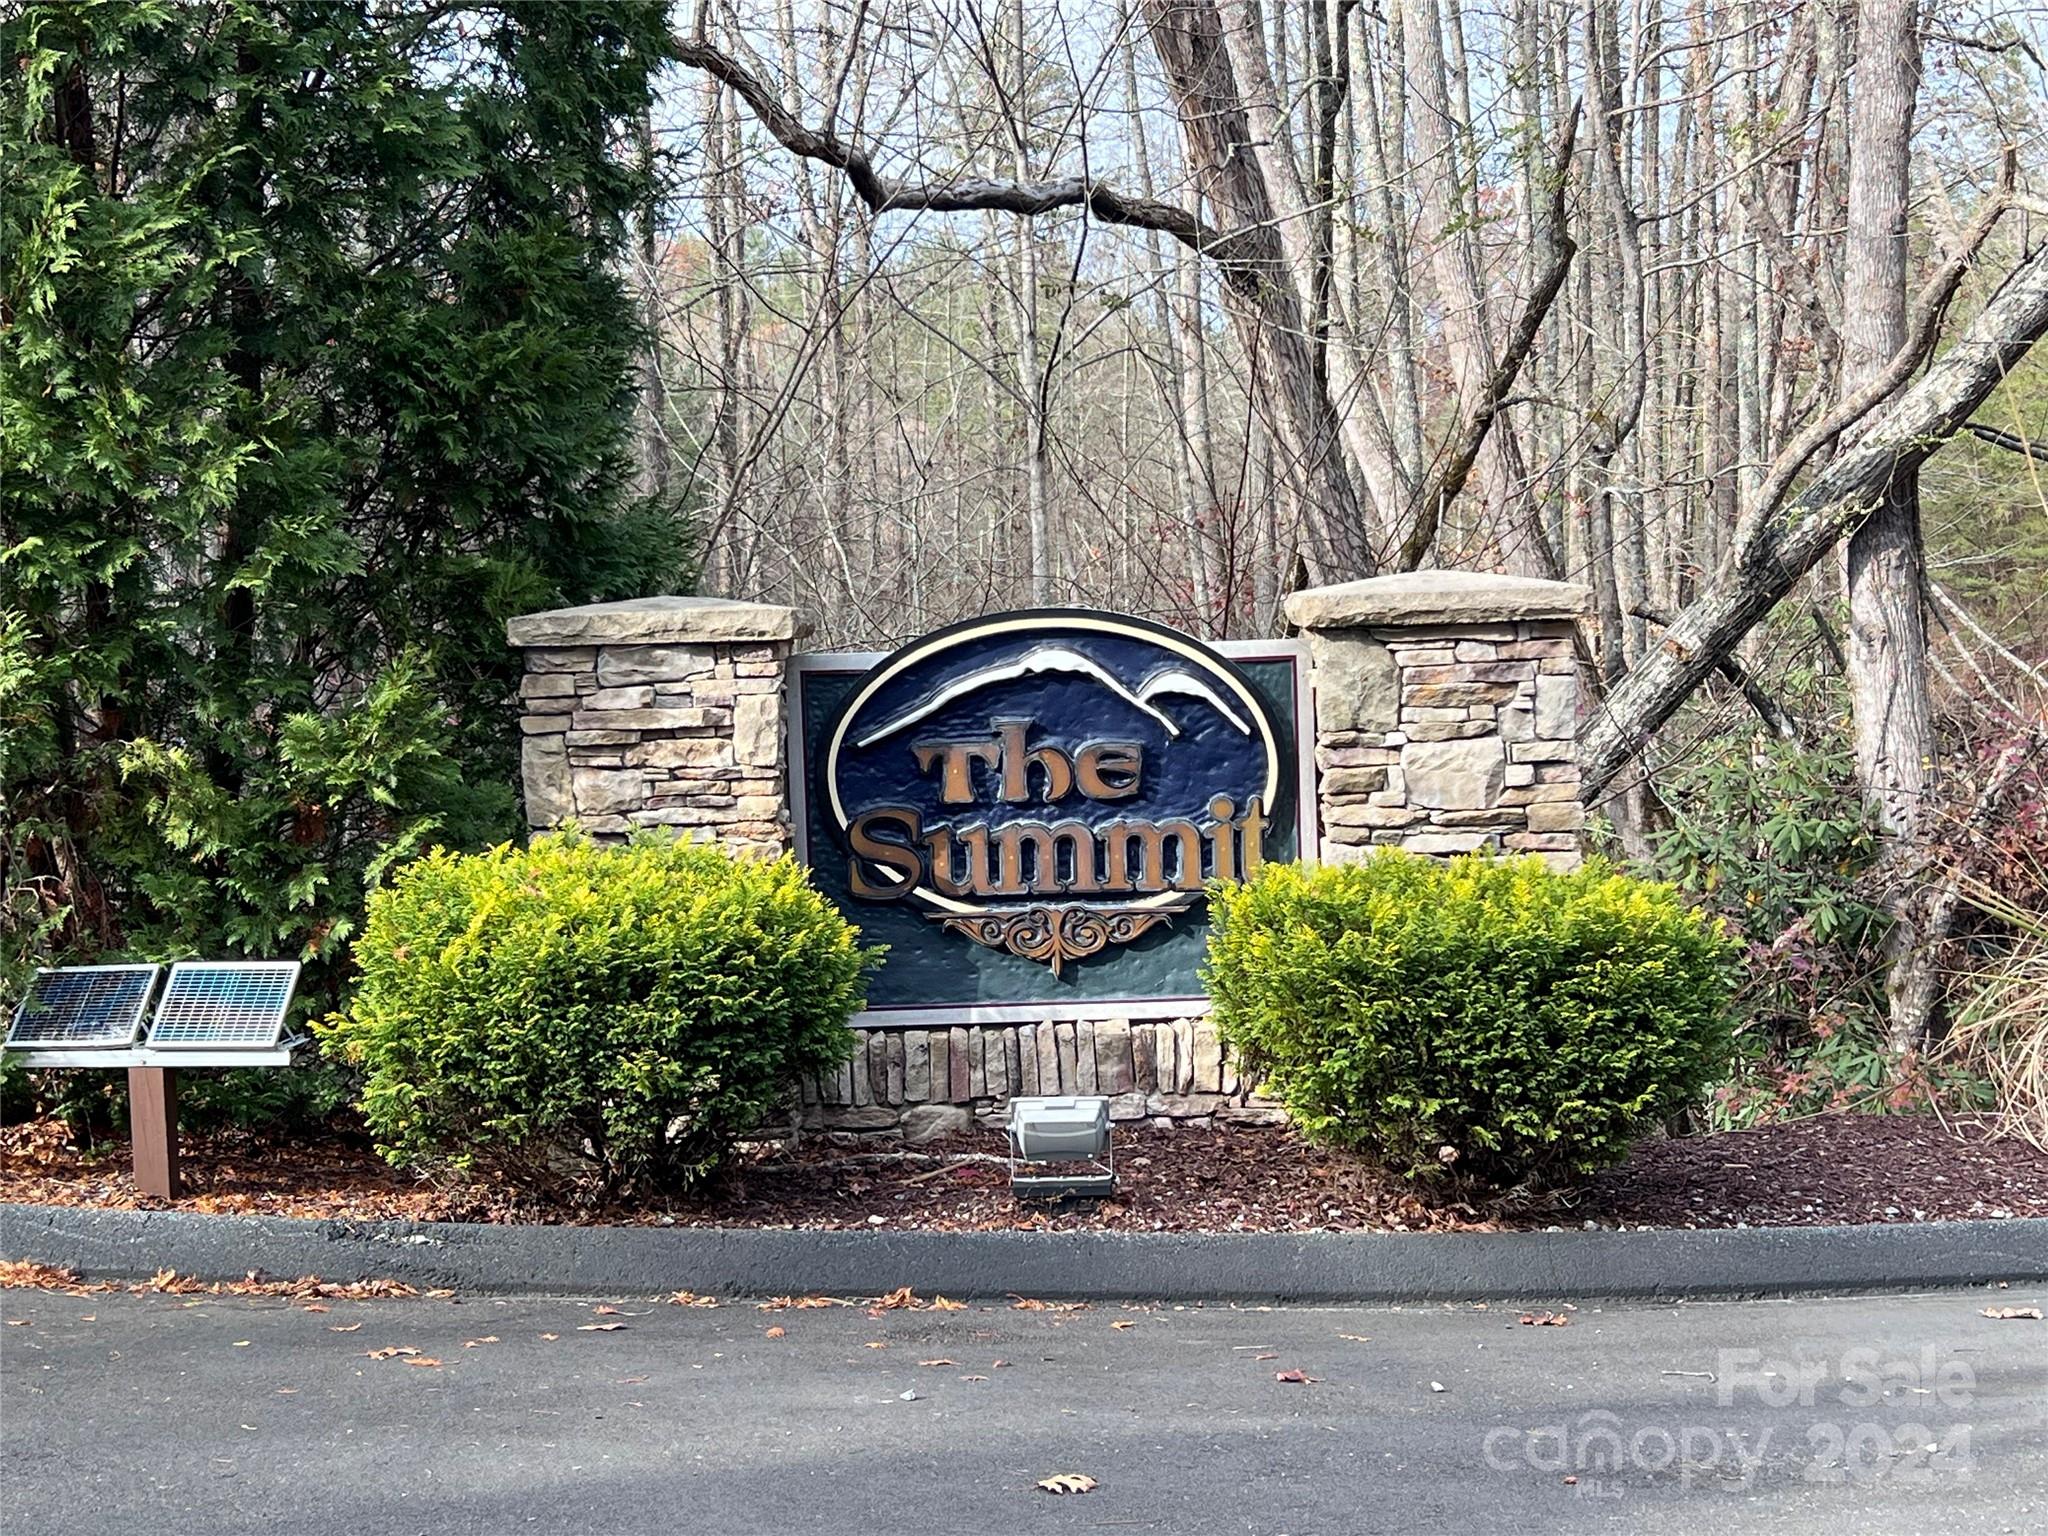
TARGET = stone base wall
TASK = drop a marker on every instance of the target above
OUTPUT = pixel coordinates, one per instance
(925, 1082)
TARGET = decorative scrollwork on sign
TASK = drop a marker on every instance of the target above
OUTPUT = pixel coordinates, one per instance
(1054, 935)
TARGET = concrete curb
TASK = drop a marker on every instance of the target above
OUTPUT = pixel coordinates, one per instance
(1307, 1267)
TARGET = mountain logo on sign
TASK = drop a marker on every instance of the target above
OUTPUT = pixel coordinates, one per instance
(1051, 783)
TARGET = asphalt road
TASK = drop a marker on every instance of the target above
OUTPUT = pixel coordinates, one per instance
(167, 1415)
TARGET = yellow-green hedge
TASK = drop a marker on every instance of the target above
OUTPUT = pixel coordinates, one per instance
(1487, 1016)
(575, 1014)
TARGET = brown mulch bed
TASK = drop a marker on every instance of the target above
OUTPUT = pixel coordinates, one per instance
(1832, 1169)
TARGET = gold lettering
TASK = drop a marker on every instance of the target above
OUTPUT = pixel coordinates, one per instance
(1150, 838)
(1018, 761)
(1223, 837)
(975, 840)
(1010, 843)
(956, 783)
(1253, 828)
(939, 846)
(1044, 843)
(889, 855)
(1108, 770)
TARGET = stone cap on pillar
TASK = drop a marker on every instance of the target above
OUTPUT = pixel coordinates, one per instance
(657, 621)
(1436, 597)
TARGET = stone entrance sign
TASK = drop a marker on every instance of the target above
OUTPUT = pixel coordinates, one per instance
(1445, 704)
(1026, 807)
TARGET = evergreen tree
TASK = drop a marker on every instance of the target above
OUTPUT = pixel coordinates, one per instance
(315, 365)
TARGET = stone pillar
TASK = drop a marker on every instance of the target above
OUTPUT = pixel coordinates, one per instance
(1446, 713)
(662, 711)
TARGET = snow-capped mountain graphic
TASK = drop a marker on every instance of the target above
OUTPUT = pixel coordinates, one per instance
(1172, 679)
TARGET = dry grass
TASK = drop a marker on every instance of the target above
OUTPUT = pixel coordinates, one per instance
(2001, 1030)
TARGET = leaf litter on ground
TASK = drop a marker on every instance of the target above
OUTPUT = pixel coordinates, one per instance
(1068, 1482)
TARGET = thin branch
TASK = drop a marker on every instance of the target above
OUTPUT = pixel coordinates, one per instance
(962, 194)
(1442, 485)
(1920, 340)
(1768, 710)
(2005, 440)
(1941, 596)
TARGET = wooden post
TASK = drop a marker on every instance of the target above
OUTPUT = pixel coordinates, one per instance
(153, 1129)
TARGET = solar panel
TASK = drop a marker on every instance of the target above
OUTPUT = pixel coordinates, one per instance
(212, 1003)
(84, 1005)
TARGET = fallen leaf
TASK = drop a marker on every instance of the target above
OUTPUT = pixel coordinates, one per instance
(19, 1322)
(489, 1338)
(1031, 1304)
(1356, 1338)
(551, 1336)
(630, 1381)
(343, 1327)
(876, 1344)
(692, 1299)
(1571, 1482)
(606, 1309)
(1267, 1356)
(28, 1272)
(938, 1362)
(776, 1332)
(1545, 1320)
(1122, 1323)
(599, 1327)
(1297, 1378)
(974, 1378)
(88, 1317)
(900, 1297)
(943, 1304)
(2011, 1314)
(287, 1391)
(315, 1306)
(390, 1350)
(427, 1360)
(800, 1303)
(1000, 1365)
(1068, 1482)
(240, 1344)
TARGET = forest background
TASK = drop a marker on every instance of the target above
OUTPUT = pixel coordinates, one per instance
(331, 335)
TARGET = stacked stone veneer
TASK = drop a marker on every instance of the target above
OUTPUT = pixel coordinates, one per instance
(1446, 710)
(662, 712)
(1446, 705)
(922, 1082)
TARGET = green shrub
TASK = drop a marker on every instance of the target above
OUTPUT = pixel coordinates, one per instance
(1484, 1015)
(575, 1016)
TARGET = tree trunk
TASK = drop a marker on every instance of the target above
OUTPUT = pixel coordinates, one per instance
(1188, 35)
(1031, 385)
(1887, 652)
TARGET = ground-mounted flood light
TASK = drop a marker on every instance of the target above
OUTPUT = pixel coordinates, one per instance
(1060, 1146)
